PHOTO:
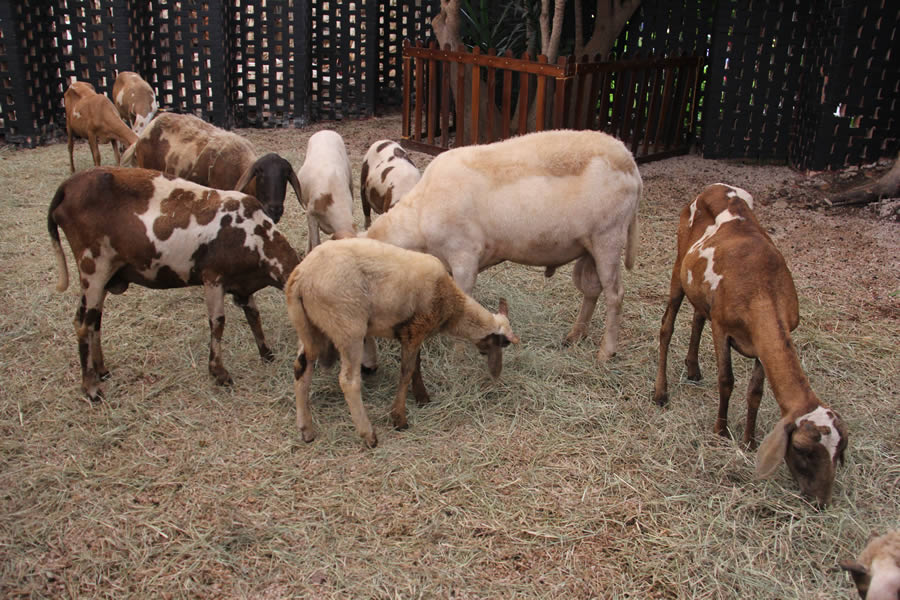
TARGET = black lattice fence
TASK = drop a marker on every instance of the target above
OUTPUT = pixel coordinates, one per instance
(397, 22)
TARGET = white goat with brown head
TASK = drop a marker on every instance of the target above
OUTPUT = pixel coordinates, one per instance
(386, 175)
(736, 278)
(326, 180)
(346, 290)
(144, 227)
(189, 147)
(135, 100)
(92, 116)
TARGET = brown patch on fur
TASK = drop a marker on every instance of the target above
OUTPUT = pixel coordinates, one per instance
(87, 265)
(402, 155)
(383, 145)
(178, 208)
(384, 173)
(322, 203)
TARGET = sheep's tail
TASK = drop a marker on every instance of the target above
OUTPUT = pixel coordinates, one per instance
(61, 266)
(631, 243)
(313, 342)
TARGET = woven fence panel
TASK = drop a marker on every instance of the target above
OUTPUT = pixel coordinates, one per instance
(397, 22)
(269, 57)
(31, 100)
(755, 66)
(661, 28)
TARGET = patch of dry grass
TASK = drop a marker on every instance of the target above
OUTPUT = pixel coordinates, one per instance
(562, 480)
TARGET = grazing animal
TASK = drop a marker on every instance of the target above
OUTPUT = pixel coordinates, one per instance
(92, 116)
(326, 181)
(144, 227)
(189, 147)
(876, 572)
(736, 278)
(346, 290)
(387, 174)
(543, 199)
(135, 100)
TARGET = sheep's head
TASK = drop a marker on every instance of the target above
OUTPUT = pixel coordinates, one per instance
(811, 445)
(271, 174)
(876, 572)
(492, 345)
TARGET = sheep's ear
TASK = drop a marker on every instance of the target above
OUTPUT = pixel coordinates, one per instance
(245, 179)
(503, 308)
(295, 183)
(860, 574)
(773, 448)
(854, 567)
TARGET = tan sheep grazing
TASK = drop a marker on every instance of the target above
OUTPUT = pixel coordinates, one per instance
(327, 186)
(345, 290)
(92, 116)
(876, 572)
(736, 278)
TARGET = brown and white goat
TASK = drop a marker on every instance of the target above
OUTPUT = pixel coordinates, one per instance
(189, 147)
(386, 175)
(135, 100)
(92, 116)
(327, 185)
(542, 199)
(876, 572)
(140, 226)
(345, 290)
(736, 278)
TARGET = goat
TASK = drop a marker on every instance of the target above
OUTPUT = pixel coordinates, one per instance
(135, 100)
(387, 174)
(736, 278)
(92, 116)
(144, 227)
(189, 147)
(346, 290)
(327, 185)
(543, 199)
(876, 572)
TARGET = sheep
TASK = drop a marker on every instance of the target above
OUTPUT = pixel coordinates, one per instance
(345, 290)
(543, 199)
(736, 278)
(189, 147)
(387, 174)
(876, 572)
(92, 116)
(327, 184)
(135, 100)
(144, 227)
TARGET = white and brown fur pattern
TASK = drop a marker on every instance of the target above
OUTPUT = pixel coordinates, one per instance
(189, 147)
(92, 116)
(135, 100)
(876, 572)
(386, 175)
(345, 290)
(327, 185)
(736, 278)
(139, 226)
(542, 199)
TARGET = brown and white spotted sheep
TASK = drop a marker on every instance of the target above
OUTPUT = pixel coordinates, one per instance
(327, 185)
(140, 226)
(386, 175)
(135, 100)
(876, 572)
(92, 116)
(736, 278)
(541, 199)
(189, 147)
(346, 290)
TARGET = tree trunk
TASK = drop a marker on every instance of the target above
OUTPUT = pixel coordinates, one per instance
(608, 24)
(886, 186)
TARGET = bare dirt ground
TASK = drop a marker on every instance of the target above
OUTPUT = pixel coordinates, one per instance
(560, 480)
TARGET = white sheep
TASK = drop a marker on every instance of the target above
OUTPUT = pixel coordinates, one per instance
(135, 100)
(544, 199)
(345, 290)
(386, 175)
(327, 187)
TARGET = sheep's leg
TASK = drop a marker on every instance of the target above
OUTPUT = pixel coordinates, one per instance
(419, 391)
(95, 149)
(71, 150)
(370, 356)
(215, 308)
(303, 372)
(691, 361)
(87, 330)
(725, 380)
(754, 396)
(367, 210)
(115, 146)
(464, 271)
(676, 296)
(251, 311)
(351, 385)
(584, 276)
(409, 364)
(313, 226)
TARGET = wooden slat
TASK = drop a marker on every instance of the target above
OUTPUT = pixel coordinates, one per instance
(417, 134)
(460, 93)
(540, 98)
(491, 94)
(476, 95)
(523, 100)
(661, 123)
(407, 75)
(507, 99)
(431, 117)
(639, 121)
(655, 100)
(445, 104)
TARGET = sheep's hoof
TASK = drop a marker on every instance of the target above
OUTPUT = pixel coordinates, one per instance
(308, 434)
(604, 355)
(266, 354)
(368, 370)
(103, 374)
(422, 399)
(694, 374)
(370, 439)
(96, 395)
(222, 377)
(660, 399)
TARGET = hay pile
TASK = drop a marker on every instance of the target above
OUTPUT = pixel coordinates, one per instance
(562, 480)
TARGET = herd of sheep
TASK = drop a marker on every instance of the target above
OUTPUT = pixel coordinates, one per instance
(199, 208)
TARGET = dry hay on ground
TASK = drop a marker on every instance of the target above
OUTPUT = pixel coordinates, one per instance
(562, 480)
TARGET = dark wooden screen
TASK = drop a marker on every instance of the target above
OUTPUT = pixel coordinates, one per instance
(397, 22)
